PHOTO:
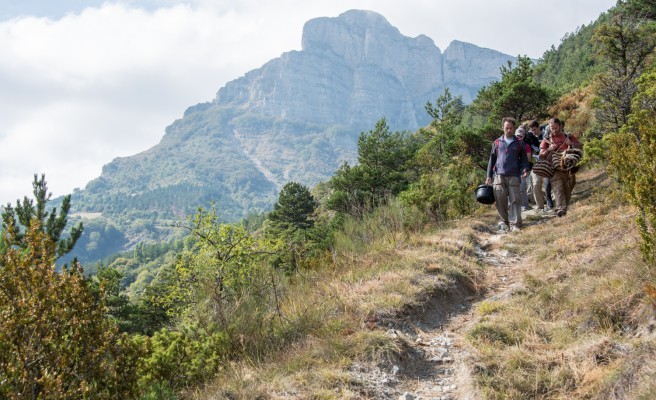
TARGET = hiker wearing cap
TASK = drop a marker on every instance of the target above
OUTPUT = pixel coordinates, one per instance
(520, 134)
(507, 163)
(562, 182)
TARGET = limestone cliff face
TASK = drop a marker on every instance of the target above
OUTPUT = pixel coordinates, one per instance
(467, 68)
(357, 68)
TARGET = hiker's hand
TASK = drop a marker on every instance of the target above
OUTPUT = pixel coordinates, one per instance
(488, 181)
(552, 147)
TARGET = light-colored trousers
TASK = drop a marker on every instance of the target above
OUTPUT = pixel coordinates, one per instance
(506, 198)
(562, 184)
(524, 185)
(538, 194)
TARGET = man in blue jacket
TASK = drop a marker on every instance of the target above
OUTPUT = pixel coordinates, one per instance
(508, 163)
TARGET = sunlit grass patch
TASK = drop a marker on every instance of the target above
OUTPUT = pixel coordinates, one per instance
(493, 334)
(489, 307)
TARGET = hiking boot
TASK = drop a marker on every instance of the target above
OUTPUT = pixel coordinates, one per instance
(560, 213)
(503, 227)
(515, 228)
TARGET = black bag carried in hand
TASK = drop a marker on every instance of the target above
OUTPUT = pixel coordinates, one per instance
(485, 194)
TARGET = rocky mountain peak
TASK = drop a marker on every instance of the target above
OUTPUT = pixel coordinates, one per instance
(355, 36)
(364, 37)
(355, 68)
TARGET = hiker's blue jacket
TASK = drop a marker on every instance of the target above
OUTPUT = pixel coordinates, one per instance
(507, 159)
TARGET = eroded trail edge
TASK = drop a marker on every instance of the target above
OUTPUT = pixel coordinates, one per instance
(436, 360)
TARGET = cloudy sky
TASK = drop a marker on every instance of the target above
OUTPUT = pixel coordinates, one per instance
(85, 81)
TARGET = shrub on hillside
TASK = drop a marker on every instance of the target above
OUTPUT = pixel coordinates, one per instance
(633, 151)
(446, 194)
(55, 341)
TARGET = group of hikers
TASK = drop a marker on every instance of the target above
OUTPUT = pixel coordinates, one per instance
(515, 183)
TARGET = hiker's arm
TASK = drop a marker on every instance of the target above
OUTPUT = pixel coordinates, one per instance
(546, 147)
(573, 141)
(490, 165)
(524, 164)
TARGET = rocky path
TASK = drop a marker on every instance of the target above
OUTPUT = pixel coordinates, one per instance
(441, 358)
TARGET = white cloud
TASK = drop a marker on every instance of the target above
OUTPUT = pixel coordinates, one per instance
(104, 82)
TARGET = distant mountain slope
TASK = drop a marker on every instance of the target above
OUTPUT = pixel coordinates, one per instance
(295, 118)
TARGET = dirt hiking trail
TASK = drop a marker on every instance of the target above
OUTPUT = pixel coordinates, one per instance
(437, 361)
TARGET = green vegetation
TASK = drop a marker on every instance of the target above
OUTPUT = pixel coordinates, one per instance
(287, 301)
(55, 341)
(627, 44)
(516, 95)
(27, 214)
(382, 170)
(573, 63)
(632, 158)
(625, 113)
(292, 227)
(294, 208)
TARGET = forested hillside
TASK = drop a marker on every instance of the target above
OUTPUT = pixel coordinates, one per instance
(324, 295)
(574, 62)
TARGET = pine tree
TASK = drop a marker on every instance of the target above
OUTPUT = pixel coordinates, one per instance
(383, 158)
(626, 43)
(294, 207)
(516, 95)
(30, 213)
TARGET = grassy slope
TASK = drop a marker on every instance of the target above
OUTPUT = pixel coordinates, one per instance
(580, 327)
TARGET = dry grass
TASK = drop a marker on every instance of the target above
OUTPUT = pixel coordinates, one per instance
(373, 278)
(580, 327)
(583, 317)
(576, 108)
